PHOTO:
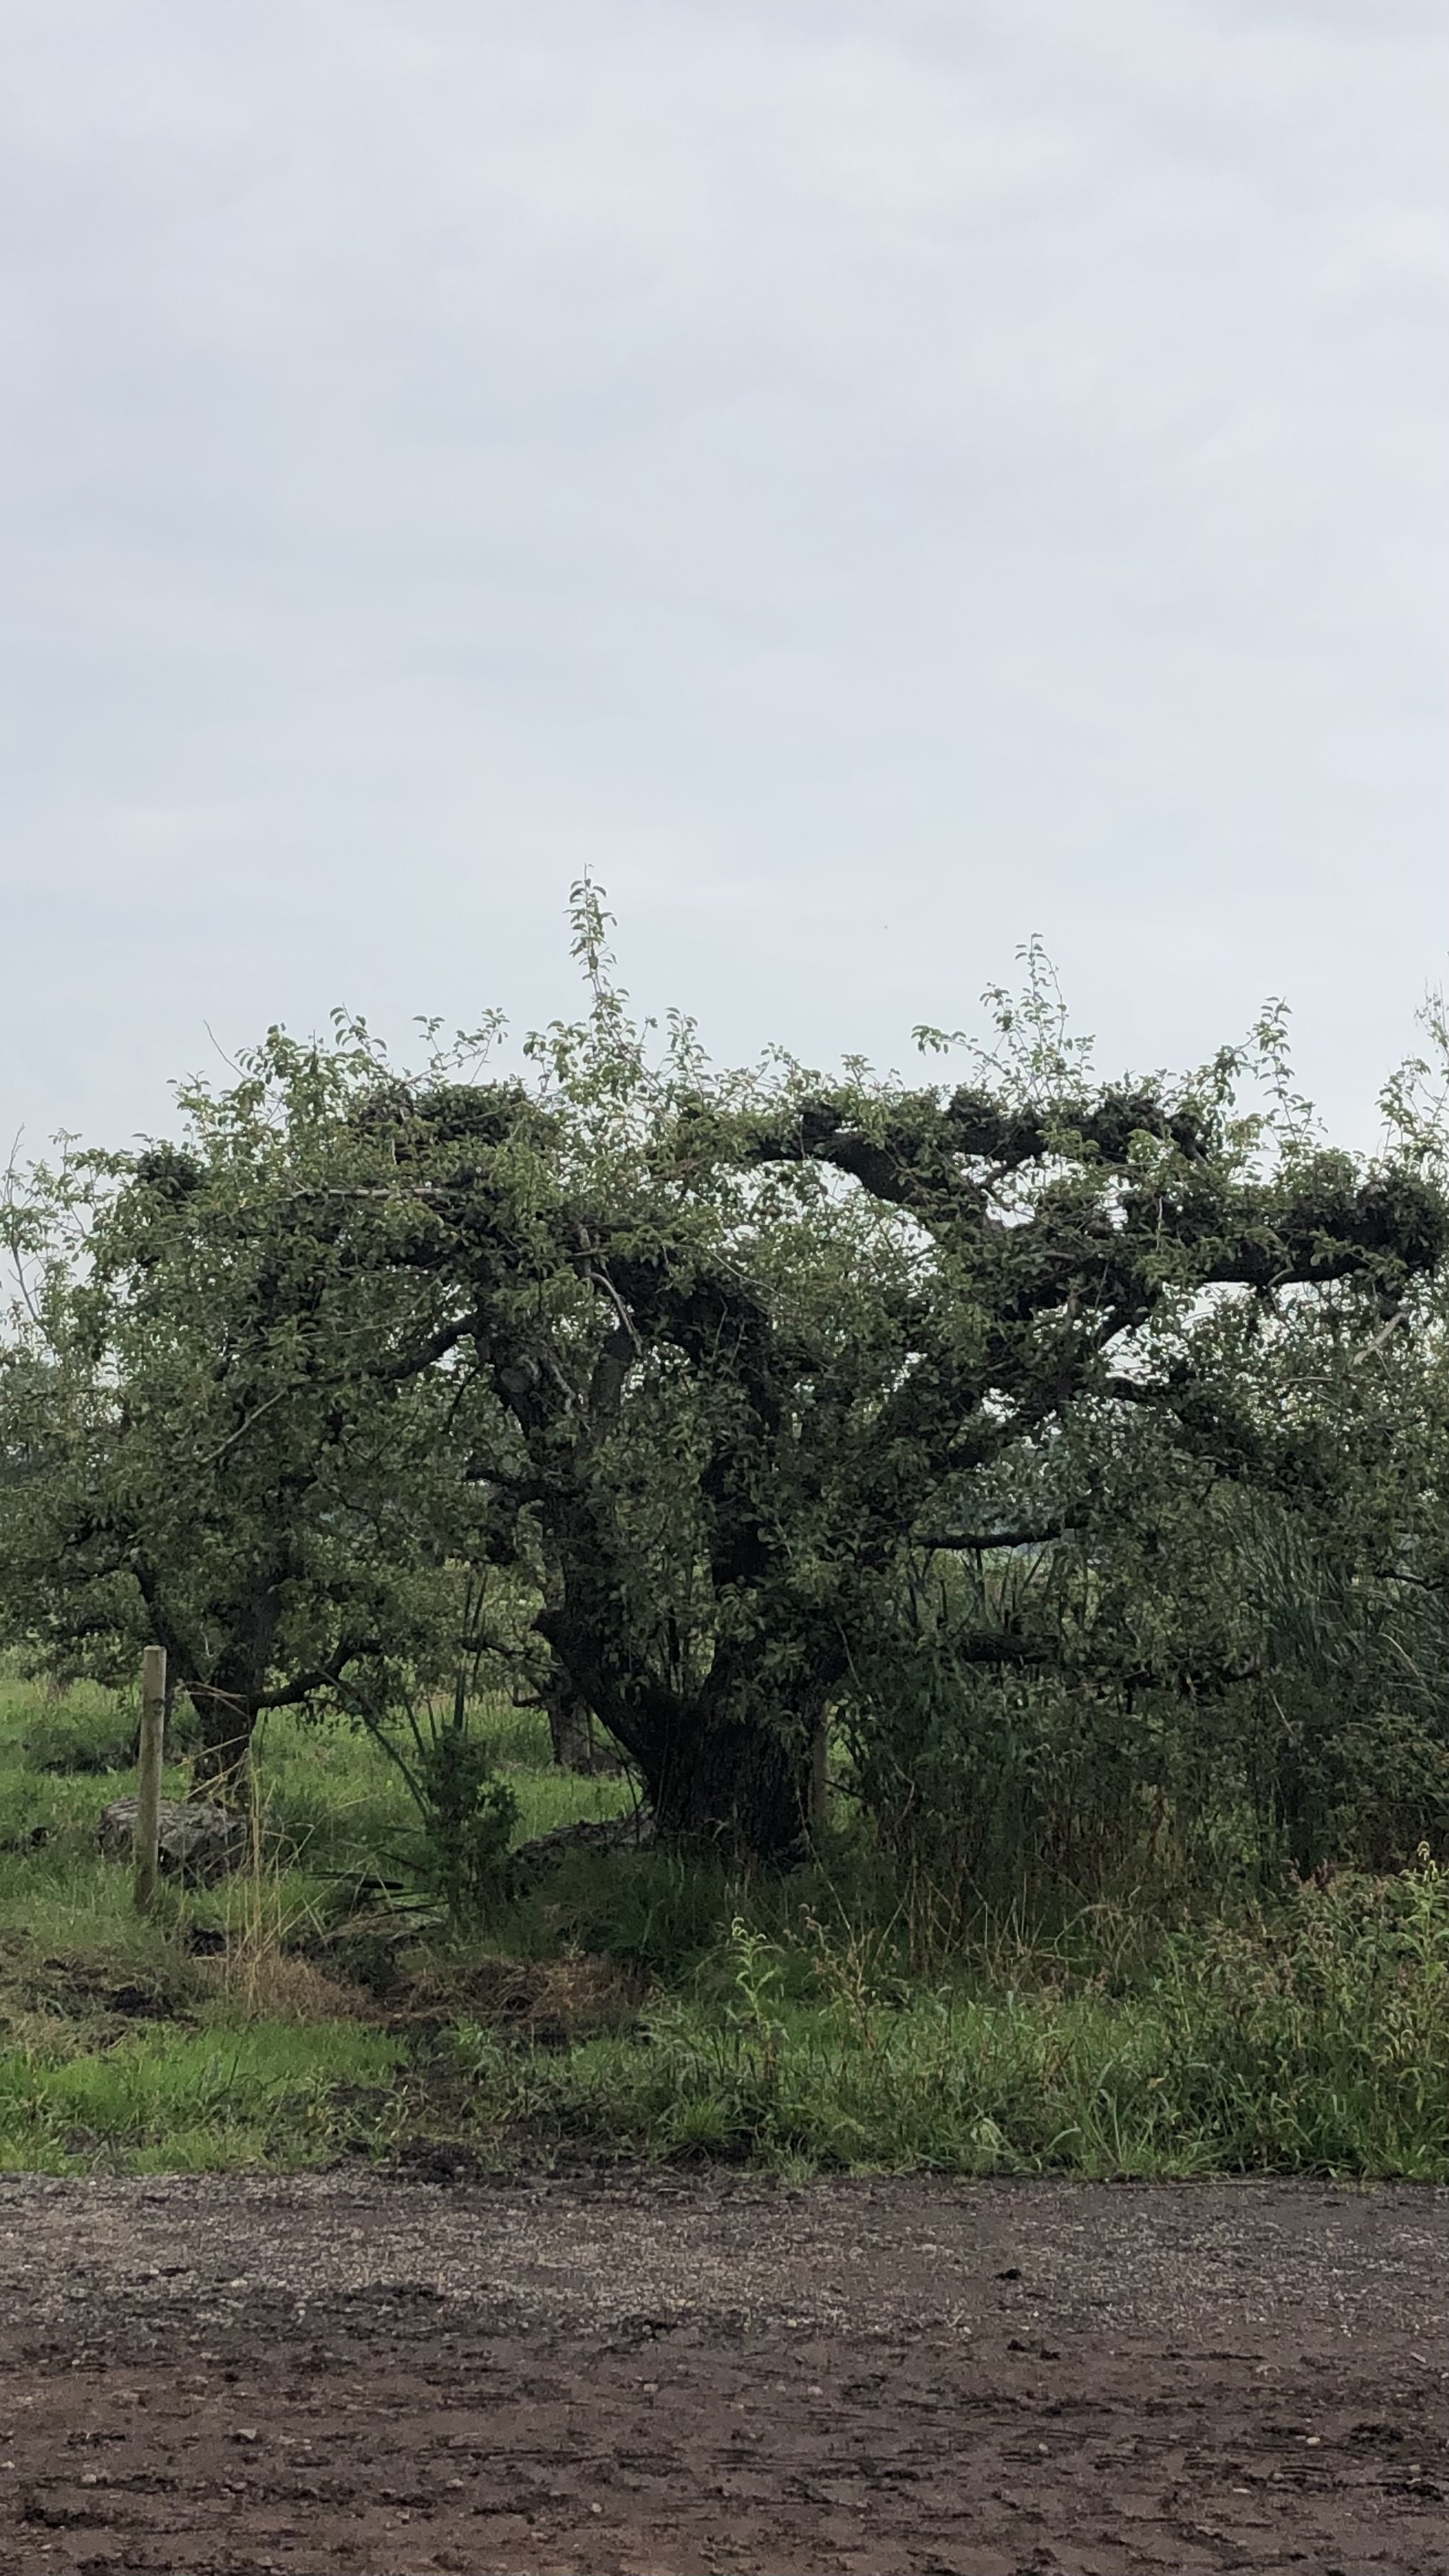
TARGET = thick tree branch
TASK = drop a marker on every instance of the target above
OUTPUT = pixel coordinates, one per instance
(982, 1542)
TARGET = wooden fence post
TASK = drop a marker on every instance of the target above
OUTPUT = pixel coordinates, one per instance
(148, 1802)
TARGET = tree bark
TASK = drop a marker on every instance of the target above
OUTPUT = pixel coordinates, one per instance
(227, 1724)
(570, 1723)
(228, 1702)
(739, 1787)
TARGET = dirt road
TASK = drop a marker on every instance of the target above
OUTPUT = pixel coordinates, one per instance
(624, 2374)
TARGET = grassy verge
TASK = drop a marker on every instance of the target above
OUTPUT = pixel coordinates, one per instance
(200, 2101)
(225, 2031)
(631, 2005)
(1311, 2039)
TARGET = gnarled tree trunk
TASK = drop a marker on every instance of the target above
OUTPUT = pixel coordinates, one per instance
(571, 1724)
(740, 1788)
(230, 1697)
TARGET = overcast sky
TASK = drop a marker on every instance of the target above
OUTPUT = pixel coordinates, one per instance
(869, 479)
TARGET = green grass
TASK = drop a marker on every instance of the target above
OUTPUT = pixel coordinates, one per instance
(1310, 2038)
(209, 2100)
(337, 1798)
(815, 2022)
(333, 1806)
(208, 2085)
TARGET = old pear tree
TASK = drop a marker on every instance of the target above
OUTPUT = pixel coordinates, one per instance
(690, 1368)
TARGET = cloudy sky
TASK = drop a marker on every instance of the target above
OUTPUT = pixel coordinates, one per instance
(869, 479)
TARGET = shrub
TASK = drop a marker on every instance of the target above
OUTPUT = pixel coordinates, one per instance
(468, 1817)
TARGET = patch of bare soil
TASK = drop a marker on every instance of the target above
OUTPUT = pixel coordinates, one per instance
(632, 2374)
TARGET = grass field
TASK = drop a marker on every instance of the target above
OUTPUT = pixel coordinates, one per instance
(316, 2004)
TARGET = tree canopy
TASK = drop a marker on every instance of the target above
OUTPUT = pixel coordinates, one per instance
(699, 1370)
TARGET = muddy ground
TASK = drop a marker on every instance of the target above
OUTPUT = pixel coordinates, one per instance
(643, 2372)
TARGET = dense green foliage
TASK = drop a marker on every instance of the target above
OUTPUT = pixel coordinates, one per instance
(997, 1535)
(1061, 1461)
(1310, 2041)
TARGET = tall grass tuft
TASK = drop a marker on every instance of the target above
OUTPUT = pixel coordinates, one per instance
(1308, 2038)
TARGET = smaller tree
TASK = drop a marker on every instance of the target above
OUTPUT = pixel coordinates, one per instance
(227, 1417)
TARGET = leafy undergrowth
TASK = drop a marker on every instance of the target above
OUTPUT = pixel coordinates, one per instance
(312, 2007)
(1309, 2038)
(245, 2024)
(333, 1799)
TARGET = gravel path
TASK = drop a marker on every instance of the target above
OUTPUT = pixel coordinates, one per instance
(638, 2374)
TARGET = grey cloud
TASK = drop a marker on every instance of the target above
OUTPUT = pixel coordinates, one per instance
(870, 480)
